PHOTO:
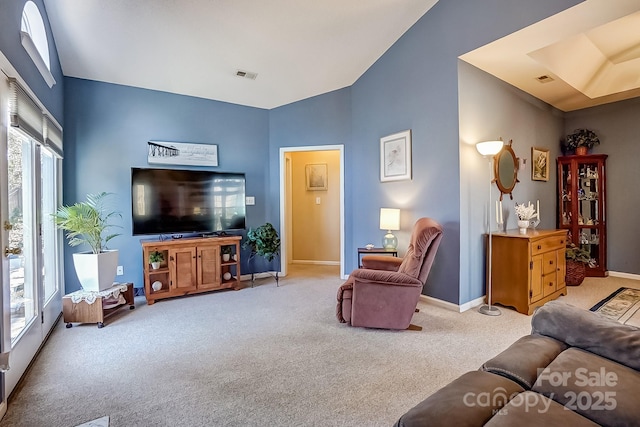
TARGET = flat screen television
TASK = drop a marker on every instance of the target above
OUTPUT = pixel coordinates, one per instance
(177, 201)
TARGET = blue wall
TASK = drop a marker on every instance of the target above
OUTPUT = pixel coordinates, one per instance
(11, 47)
(106, 133)
(414, 85)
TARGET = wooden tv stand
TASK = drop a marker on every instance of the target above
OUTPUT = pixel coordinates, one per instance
(190, 266)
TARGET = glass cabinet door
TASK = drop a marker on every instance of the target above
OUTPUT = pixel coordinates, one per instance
(581, 206)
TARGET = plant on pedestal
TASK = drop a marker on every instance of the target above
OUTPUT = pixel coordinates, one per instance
(263, 241)
(87, 223)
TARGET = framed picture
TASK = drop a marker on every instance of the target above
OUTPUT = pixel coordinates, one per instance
(182, 153)
(539, 164)
(316, 177)
(395, 157)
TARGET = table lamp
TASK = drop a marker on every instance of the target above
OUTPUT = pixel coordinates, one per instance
(389, 220)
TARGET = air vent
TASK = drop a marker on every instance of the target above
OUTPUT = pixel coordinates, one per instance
(545, 79)
(246, 74)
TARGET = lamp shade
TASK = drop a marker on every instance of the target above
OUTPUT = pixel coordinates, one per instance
(389, 219)
(489, 148)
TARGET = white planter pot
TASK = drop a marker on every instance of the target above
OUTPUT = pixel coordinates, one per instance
(226, 257)
(96, 272)
(155, 265)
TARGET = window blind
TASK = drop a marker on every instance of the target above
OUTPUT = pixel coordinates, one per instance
(26, 115)
(52, 136)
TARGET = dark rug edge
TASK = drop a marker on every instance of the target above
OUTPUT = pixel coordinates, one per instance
(607, 299)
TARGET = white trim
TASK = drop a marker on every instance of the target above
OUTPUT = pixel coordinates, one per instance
(624, 275)
(308, 261)
(283, 229)
(451, 306)
(34, 54)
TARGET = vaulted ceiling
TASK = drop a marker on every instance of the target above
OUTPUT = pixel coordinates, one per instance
(270, 53)
(298, 49)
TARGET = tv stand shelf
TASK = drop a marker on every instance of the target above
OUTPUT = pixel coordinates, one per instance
(191, 266)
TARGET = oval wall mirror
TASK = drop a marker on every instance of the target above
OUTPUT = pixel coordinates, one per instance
(505, 168)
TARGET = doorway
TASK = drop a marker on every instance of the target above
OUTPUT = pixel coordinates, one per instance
(312, 206)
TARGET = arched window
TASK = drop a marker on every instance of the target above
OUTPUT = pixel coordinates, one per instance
(34, 40)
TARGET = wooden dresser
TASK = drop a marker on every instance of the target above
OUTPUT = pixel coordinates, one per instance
(528, 269)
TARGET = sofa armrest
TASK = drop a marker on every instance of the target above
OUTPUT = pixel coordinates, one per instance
(525, 358)
(589, 331)
(471, 400)
(381, 262)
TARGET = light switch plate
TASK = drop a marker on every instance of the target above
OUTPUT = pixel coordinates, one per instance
(120, 271)
(250, 200)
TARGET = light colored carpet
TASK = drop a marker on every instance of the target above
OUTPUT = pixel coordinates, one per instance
(262, 356)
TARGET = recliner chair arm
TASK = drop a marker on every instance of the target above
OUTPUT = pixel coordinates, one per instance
(391, 278)
(381, 262)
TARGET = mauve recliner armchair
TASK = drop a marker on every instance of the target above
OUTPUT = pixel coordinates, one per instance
(385, 292)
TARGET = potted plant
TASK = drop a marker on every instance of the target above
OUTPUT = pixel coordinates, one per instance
(580, 141)
(156, 258)
(263, 241)
(226, 253)
(577, 261)
(87, 223)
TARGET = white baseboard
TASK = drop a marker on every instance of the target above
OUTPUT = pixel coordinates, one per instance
(451, 306)
(312, 262)
(624, 275)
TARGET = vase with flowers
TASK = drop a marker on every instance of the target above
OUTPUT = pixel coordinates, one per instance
(526, 214)
(580, 141)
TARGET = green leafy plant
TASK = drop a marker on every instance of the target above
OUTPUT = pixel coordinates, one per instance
(577, 254)
(225, 250)
(263, 241)
(156, 256)
(87, 222)
(581, 138)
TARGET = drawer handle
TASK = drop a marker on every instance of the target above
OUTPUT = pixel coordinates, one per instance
(539, 247)
(550, 283)
(561, 242)
(550, 262)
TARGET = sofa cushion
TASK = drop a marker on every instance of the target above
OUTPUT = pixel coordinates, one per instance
(535, 410)
(604, 391)
(587, 330)
(522, 361)
(469, 401)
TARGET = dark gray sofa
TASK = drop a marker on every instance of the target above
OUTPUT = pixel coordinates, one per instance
(575, 369)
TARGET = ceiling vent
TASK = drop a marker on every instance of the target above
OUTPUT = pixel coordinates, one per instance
(246, 74)
(545, 79)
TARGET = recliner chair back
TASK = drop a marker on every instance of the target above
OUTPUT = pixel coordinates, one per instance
(425, 239)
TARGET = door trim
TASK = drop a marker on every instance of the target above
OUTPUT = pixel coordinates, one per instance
(283, 206)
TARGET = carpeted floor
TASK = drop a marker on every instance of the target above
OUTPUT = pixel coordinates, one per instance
(262, 356)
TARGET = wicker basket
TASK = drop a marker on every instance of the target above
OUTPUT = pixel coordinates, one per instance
(575, 273)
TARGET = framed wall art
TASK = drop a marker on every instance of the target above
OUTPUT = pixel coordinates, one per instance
(539, 164)
(395, 157)
(316, 177)
(182, 153)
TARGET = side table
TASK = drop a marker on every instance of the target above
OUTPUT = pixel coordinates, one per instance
(377, 251)
(94, 307)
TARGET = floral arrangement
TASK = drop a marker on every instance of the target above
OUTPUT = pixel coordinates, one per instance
(581, 138)
(526, 213)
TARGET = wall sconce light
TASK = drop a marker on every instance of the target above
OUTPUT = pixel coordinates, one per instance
(389, 220)
(522, 163)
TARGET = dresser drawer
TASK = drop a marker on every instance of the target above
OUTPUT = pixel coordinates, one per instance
(548, 244)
